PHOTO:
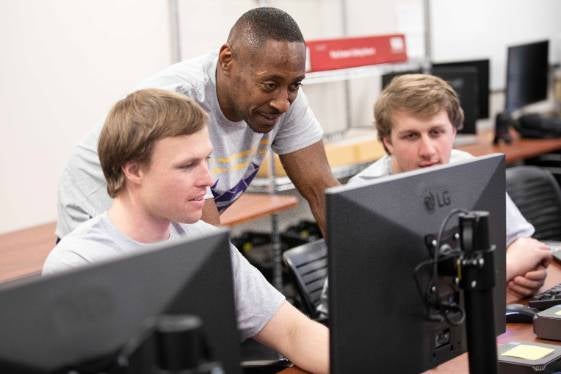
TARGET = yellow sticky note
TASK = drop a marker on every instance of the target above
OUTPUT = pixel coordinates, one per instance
(528, 352)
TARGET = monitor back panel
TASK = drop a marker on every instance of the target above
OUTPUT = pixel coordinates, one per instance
(376, 238)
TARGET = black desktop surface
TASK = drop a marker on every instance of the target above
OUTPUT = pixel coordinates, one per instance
(376, 238)
(88, 314)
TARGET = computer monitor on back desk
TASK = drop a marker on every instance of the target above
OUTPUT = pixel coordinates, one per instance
(464, 80)
(379, 235)
(482, 68)
(526, 74)
(470, 79)
(84, 317)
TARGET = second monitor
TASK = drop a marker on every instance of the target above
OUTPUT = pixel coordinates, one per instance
(379, 234)
(84, 318)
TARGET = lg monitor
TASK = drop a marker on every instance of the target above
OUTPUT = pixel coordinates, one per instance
(526, 74)
(84, 317)
(381, 241)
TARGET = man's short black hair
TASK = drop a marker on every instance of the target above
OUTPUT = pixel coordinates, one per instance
(265, 23)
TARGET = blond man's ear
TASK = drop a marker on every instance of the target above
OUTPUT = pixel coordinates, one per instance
(133, 172)
(388, 147)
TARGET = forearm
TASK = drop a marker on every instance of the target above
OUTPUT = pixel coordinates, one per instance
(317, 207)
(309, 348)
(524, 255)
(309, 170)
(210, 213)
(303, 341)
(314, 194)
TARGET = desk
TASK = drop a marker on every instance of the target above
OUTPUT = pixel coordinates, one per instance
(251, 206)
(519, 150)
(23, 252)
(514, 332)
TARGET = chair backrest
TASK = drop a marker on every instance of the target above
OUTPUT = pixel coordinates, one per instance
(538, 196)
(308, 264)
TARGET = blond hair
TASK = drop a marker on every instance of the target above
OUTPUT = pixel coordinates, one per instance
(136, 122)
(422, 95)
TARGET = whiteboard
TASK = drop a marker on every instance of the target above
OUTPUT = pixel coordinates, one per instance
(462, 30)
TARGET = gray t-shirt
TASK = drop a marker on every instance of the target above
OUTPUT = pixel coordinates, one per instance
(238, 151)
(516, 224)
(99, 240)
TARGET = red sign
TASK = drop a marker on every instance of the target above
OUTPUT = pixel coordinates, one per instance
(341, 53)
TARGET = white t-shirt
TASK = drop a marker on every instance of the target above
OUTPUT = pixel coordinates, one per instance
(238, 151)
(516, 224)
(99, 240)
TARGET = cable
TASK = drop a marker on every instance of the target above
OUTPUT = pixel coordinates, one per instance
(431, 295)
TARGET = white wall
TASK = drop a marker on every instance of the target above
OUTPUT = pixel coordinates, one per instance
(63, 63)
(483, 29)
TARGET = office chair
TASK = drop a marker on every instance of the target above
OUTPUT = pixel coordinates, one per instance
(537, 194)
(308, 265)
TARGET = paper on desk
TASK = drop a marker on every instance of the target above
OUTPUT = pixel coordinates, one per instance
(528, 352)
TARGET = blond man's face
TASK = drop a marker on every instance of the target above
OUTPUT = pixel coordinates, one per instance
(174, 184)
(419, 142)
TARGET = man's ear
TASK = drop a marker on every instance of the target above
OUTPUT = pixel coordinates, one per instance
(225, 58)
(133, 172)
(387, 143)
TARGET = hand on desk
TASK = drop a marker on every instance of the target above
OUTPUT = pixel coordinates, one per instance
(528, 284)
(526, 267)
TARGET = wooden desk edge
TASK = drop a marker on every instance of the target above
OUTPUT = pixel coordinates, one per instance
(253, 206)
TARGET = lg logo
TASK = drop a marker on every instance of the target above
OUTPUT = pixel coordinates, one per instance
(434, 200)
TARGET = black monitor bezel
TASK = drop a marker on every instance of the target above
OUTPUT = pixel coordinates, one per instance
(85, 315)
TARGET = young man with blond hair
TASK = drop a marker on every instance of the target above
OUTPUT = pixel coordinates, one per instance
(417, 117)
(154, 150)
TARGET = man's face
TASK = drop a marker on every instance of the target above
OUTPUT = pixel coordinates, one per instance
(174, 183)
(419, 142)
(265, 83)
